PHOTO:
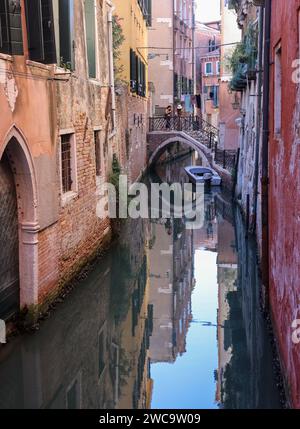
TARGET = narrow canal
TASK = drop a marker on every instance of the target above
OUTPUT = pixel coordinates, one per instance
(169, 318)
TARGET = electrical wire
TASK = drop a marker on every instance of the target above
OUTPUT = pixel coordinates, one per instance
(196, 47)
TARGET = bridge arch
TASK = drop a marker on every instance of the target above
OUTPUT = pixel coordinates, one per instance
(193, 144)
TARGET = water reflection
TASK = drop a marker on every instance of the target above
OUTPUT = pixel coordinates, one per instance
(169, 318)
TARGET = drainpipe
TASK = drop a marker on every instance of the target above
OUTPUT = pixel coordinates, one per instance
(193, 52)
(174, 57)
(111, 63)
(265, 151)
(258, 114)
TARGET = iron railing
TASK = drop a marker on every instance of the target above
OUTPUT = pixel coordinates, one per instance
(227, 159)
(200, 130)
(182, 123)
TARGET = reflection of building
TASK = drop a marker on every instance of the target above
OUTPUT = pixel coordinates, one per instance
(161, 292)
(93, 353)
(171, 265)
(207, 236)
(182, 284)
(245, 377)
(227, 278)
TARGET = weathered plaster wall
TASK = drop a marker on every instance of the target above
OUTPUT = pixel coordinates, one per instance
(284, 202)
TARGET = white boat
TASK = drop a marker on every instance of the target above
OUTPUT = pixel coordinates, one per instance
(204, 175)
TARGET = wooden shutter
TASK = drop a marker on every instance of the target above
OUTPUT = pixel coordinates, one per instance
(131, 69)
(35, 30)
(90, 25)
(4, 28)
(40, 31)
(48, 32)
(11, 27)
(65, 31)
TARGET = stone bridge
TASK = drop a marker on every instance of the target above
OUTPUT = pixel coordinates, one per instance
(158, 142)
(195, 133)
(191, 131)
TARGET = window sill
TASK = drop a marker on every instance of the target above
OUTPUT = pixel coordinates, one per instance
(68, 198)
(62, 71)
(37, 65)
(6, 57)
(95, 81)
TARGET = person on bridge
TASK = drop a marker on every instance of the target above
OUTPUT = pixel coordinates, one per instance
(168, 115)
(179, 115)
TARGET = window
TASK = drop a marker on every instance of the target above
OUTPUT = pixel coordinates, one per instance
(137, 75)
(90, 29)
(65, 11)
(68, 163)
(40, 31)
(208, 68)
(11, 41)
(218, 67)
(277, 90)
(99, 155)
(133, 67)
(146, 8)
(216, 96)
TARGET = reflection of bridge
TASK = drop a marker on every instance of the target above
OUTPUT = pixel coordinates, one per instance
(195, 133)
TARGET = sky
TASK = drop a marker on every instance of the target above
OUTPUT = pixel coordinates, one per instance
(207, 10)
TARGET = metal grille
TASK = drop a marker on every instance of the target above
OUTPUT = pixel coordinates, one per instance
(9, 261)
(226, 159)
(98, 153)
(66, 162)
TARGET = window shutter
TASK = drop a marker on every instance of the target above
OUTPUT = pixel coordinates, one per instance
(35, 30)
(15, 25)
(48, 32)
(4, 36)
(11, 40)
(90, 25)
(65, 31)
(132, 70)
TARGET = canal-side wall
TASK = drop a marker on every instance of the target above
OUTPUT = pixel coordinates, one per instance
(83, 113)
(284, 187)
(40, 105)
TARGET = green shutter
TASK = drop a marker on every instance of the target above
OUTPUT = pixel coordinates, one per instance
(11, 40)
(66, 12)
(90, 25)
(48, 32)
(35, 30)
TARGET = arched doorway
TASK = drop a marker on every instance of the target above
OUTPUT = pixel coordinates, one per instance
(20, 255)
(9, 253)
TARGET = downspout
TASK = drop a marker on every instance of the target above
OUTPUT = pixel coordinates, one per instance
(174, 57)
(265, 152)
(259, 114)
(111, 64)
(194, 52)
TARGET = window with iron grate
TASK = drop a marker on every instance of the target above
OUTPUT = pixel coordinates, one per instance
(66, 164)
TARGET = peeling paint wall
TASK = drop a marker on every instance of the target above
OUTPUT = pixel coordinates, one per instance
(249, 128)
(284, 191)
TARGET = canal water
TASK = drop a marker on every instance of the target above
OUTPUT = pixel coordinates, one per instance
(169, 318)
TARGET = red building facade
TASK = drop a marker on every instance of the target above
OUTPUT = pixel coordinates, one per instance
(284, 185)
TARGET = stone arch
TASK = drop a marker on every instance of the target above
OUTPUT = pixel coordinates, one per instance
(21, 163)
(168, 142)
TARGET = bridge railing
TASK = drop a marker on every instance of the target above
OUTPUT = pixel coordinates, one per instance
(200, 130)
(181, 123)
(227, 159)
